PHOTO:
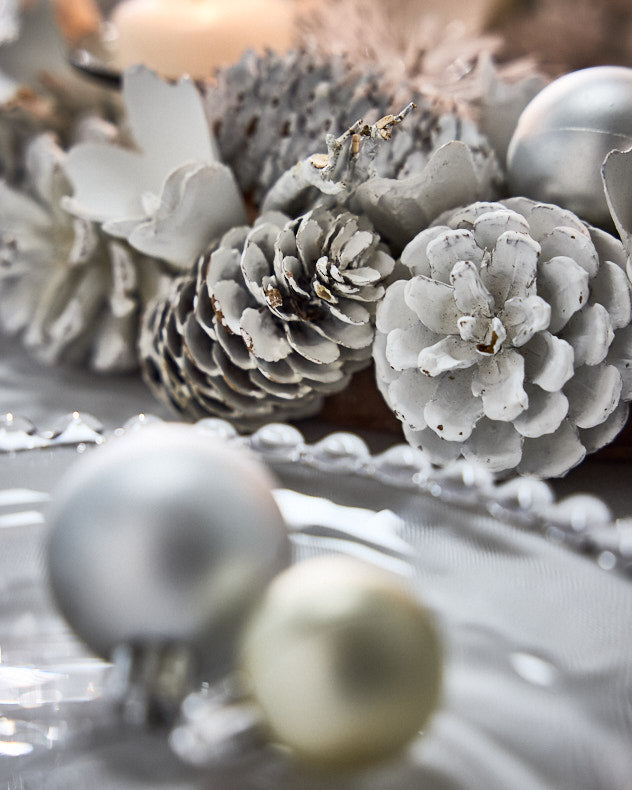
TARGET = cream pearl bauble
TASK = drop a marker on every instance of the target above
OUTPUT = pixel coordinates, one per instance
(165, 537)
(564, 135)
(343, 662)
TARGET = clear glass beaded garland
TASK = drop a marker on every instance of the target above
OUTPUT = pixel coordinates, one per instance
(534, 632)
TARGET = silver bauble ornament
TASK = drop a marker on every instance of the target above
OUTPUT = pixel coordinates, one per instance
(564, 135)
(165, 537)
(344, 664)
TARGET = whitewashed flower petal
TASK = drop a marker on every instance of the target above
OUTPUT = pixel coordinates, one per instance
(524, 317)
(437, 450)
(568, 242)
(545, 414)
(606, 432)
(449, 248)
(470, 294)
(611, 288)
(498, 381)
(564, 285)
(108, 190)
(617, 178)
(511, 269)
(167, 119)
(495, 445)
(124, 188)
(452, 413)
(169, 128)
(451, 178)
(198, 204)
(590, 333)
(392, 312)
(593, 394)
(548, 361)
(552, 455)
(434, 304)
(398, 208)
(402, 346)
(451, 353)
(408, 395)
(492, 224)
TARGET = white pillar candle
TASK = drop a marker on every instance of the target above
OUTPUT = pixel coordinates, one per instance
(194, 37)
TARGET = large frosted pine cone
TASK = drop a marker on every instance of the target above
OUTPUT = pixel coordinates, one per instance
(73, 294)
(500, 346)
(274, 318)
(270, 112)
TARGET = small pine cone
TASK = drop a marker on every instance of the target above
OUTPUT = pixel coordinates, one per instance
(510, 343)
(270, 112)
(274, 318)
(72, 293)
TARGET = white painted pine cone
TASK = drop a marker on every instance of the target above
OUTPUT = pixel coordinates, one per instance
(71, 293)
(500, 346)
(269, 112)
(274, 318)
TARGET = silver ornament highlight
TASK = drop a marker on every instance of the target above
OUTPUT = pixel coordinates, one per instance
(165, 537)
(565, 133)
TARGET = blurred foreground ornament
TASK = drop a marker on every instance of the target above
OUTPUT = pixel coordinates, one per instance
(511, 343)
(564, 135)
(344, 664)
(161, 543)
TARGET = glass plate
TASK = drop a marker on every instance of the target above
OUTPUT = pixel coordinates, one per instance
(538, 676)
